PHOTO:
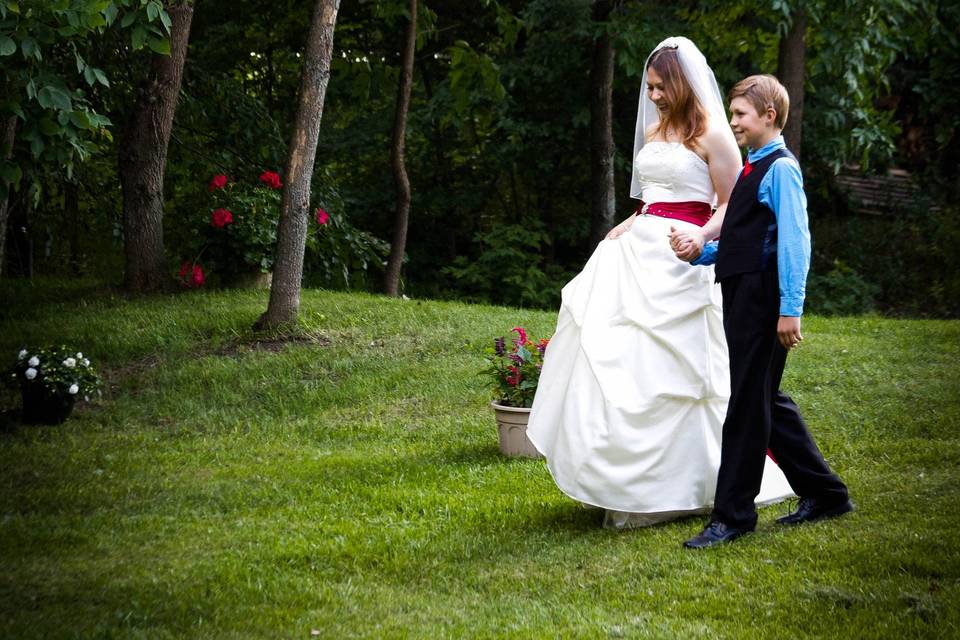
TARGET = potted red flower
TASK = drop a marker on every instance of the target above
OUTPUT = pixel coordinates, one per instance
(515, 371)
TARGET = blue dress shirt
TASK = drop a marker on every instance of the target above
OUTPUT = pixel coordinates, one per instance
(782, 190)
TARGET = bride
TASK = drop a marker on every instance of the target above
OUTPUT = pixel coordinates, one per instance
(634, 386)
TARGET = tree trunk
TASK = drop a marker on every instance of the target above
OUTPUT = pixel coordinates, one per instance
(791, 71)
(391, 285)
(143, 158)
(292, 231)
(7, 137)
(602, 195)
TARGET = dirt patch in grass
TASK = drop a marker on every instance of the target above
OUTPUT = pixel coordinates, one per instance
(272, 344)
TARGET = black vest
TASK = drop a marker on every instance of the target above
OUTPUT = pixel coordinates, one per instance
(748, 237)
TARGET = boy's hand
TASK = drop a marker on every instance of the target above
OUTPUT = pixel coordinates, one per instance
(788, 331)
(687, 245)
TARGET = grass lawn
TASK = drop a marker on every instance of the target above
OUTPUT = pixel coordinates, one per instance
(349, 485)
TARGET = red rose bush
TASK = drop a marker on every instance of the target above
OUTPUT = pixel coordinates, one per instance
(237, 235)
(233, 235)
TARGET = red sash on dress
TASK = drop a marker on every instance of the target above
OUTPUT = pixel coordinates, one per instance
(693, 212)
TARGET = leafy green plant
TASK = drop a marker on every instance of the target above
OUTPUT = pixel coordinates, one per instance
(340, 254)
(510, 268)
(58, 370)
(840, 291)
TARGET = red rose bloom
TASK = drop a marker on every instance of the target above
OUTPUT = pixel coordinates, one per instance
(322, 216)
(191, 275)
(271, 179)
(221, 218)
(196, 277)
(218, 182)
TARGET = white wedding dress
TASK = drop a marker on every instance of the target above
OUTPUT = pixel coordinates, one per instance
(635, 381)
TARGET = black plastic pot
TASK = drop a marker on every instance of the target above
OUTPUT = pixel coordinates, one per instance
(41, 406)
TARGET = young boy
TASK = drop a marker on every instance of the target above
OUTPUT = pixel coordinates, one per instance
(762, 259)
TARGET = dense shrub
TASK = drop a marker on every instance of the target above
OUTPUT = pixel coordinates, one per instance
(905, 262)
(840, 291)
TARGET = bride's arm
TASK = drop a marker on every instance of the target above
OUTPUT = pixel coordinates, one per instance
(723, 161)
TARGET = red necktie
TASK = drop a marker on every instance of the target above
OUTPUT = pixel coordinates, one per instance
(747, 168)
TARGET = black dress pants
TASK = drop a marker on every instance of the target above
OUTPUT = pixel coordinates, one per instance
(759, 416)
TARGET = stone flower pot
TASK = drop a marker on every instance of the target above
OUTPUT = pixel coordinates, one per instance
(512, 425)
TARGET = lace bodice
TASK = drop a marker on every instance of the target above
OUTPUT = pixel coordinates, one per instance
(670, 172)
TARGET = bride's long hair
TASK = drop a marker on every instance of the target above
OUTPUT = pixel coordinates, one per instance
(685, 115)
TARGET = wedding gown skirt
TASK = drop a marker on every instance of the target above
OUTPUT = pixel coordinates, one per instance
(632, 396)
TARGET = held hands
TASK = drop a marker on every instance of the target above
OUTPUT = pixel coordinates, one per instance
(687, 245)
(788, 331)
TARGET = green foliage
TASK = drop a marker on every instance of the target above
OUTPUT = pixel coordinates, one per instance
(636, 28)
(339, 255)
(922, 84)
(840, 291)
(473, 77)
(50, 87)
(220, 122)
(497, 145)
(904, 262)
(252, 45)
(847, 60)
(506, 268)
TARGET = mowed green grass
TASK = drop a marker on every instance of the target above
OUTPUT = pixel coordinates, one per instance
(348, 484)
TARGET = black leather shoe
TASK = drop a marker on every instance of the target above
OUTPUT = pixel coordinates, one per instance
(811, 510)
(713, 534)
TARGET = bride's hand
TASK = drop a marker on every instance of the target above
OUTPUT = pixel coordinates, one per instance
(619, 230)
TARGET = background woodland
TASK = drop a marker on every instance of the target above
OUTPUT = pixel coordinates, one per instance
(516, 142)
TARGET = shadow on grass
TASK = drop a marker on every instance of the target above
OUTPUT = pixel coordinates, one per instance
(9, 421)
(13, 425)
(568, 517)
(484, 454)
(27, 295)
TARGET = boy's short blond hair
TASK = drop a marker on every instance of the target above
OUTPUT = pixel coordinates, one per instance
(764, 92)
